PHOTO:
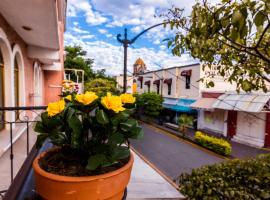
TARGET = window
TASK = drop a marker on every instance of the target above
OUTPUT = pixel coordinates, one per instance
(169, 89)
(149, 88)
(1, 89)
(157, 88)
(187, 82)
(16, 85)
(141, 84)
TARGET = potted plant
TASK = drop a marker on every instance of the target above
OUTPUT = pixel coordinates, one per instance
(91, 158)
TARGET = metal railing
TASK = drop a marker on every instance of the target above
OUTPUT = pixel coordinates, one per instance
(24, 116)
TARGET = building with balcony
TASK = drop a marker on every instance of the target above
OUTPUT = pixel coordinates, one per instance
(31, 67)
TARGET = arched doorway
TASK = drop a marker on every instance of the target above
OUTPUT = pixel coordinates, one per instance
(16, 86)
(37, 84)
(2, 93)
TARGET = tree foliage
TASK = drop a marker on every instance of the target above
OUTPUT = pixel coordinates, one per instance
(232, 36)
(185, 121)
(149, 103)
(75, 59)
(100, 86)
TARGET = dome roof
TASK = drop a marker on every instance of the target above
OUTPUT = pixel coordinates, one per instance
(139, 61)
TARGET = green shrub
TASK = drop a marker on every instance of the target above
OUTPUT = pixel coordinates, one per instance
(216, 144)
(185, 121)
(149, 103)
(234, 179)
(100, 86)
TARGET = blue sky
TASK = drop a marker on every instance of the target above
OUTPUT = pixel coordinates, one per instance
(94, 24)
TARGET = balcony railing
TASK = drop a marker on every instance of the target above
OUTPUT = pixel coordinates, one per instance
(24, 117)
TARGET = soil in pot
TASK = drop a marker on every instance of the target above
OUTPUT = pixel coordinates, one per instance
(67, 162)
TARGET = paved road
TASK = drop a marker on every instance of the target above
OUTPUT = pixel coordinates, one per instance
(169, 155)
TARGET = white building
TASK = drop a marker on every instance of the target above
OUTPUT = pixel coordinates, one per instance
(243, 117)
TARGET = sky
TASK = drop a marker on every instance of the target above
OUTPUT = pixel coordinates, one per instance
(94, 24)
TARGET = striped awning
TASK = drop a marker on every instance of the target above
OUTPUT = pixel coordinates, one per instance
(247, 102)
(179, 105)
(204, 104)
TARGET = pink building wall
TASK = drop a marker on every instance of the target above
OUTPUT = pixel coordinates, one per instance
(51, 79)
(14, 38)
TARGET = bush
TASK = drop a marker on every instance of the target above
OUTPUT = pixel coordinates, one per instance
(235, 179)
(149, 104)
(185, 121)
(100, 86)
(216, 144)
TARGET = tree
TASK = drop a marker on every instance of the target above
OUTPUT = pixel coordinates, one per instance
(185, 121)
(100, 86)
(233, 36)
(149, 104)
(102, 74)
(75, 59)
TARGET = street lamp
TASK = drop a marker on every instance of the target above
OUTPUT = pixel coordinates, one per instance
(126, 42)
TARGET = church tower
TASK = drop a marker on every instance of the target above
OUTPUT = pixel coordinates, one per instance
(139, 67)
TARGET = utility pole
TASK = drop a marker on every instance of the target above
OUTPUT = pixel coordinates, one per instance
(126, 42)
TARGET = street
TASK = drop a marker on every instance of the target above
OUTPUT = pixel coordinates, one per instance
(170, 155)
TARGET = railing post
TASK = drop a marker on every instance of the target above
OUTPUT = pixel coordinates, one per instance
(11, 152)
(27, 137)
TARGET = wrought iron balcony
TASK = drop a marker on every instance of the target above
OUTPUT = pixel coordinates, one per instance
(24, 117)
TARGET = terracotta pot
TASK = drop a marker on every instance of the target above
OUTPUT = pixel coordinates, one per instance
(109, 186)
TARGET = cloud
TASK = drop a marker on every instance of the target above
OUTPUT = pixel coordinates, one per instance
(79, 30)
(102, 31)
(92, 17)
(110, 57)
(87, 36)
(109, 35)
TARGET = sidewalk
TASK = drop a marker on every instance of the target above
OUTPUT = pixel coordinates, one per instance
(238, 150)
(146, 183)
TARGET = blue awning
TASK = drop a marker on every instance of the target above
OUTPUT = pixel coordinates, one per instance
(180, 105)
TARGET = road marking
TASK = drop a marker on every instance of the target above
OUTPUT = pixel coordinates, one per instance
(167, 178)
(161, 131)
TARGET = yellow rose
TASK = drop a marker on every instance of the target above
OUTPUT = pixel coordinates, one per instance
(68, 97)
(127, 98)
(112, 103)
(55, 107)
(86, 98)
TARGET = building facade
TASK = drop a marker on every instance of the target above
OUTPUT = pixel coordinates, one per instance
(31, 59)
(31, 52)
(242, 117)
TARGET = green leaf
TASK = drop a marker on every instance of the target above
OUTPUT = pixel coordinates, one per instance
(40, 128)
(120, 153)
(116, 138)
(57, 138)
(211, 84)
(76, 126)
(102, 117)
(50, 122)
(119, 118)
(136, 133)
(95, 161)
(259, 19)
(126, 126)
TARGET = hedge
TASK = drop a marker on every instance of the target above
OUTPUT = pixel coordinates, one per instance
(218, 145)
(234, 179)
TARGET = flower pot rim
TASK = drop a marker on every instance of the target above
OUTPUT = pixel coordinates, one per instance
(61, 178)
